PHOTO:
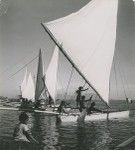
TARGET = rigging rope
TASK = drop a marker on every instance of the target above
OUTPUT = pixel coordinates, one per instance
(122, 70)
(71, 74)
(84, 83)
(115, 76)
(14, 64)
(23, 67)
(59, 80)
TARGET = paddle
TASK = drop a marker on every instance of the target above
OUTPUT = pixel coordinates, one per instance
(125, 143)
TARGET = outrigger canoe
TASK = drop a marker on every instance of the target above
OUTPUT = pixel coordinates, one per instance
(74, 117)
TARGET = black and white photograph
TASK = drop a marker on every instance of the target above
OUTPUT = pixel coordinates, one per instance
(67, 74)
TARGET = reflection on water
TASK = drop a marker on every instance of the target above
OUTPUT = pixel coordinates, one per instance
(44, 129)
(102, 135)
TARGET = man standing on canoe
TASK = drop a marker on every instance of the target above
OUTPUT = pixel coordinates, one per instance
(82, 101)
(82, 105)
(79, 92)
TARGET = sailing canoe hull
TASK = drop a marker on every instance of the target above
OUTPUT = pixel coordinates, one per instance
(95, 116)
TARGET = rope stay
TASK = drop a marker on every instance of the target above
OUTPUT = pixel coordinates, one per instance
(23, 67)
(115, 77)
(17, 62)
(60, 81)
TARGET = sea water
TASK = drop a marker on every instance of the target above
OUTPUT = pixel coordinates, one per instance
(98, 135)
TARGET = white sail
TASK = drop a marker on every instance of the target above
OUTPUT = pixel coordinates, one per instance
(24, 83)
(29, 91)
(88, 38)
(51, 74)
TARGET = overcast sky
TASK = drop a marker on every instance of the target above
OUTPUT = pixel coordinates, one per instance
(21, 36)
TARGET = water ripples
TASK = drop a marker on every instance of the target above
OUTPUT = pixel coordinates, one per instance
(102, 135)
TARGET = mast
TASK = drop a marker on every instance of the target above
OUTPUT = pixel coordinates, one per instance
(20, 91)
(70, 60)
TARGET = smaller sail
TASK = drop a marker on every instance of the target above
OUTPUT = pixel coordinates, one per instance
(39, 82)
(24, 83)
(29, 91)
(51, 74)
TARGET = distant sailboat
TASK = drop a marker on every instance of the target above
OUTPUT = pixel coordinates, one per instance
(27, 87)
(45, 82)
(88, 41)
(29, 91)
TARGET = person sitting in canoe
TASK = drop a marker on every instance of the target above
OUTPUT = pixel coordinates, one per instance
(92, 108)
(78, 92)
(22, 133)
(50, 101)
(61, 107)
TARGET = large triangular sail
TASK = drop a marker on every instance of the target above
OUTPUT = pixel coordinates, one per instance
(40, 81)
(24, 84)
(51, 74)
(29, 91)
(88, 40)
